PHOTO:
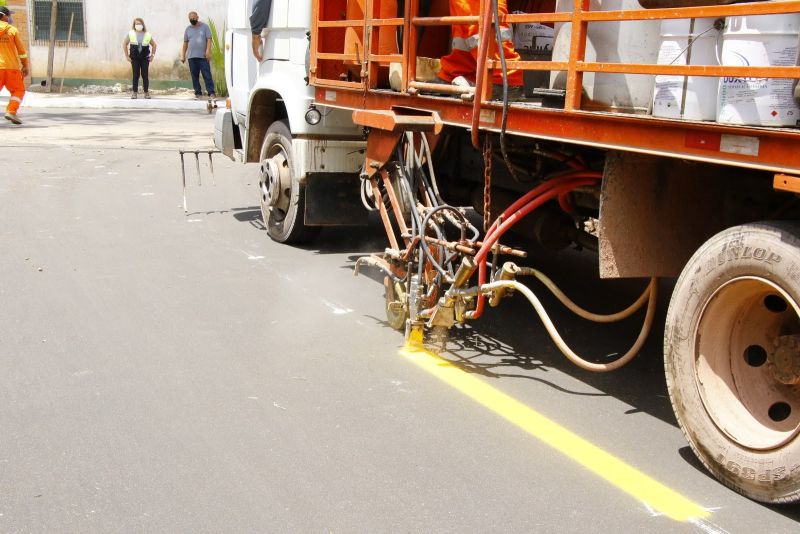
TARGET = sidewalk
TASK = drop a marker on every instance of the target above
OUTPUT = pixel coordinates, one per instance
(105, 101)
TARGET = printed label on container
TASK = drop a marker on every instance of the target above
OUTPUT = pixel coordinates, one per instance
(759, 101)
(533, 35)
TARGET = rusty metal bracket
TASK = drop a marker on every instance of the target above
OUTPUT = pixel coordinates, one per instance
(786, 182)
(386, 127)
(399, 120)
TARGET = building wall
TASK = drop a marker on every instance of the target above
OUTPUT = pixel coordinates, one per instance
(102, 56)
(20, 16)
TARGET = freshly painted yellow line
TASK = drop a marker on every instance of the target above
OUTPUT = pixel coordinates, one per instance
(630, 480)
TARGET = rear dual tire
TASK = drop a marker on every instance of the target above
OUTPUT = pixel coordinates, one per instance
(730, 347)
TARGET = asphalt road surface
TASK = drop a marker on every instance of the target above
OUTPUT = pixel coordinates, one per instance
(171, 372)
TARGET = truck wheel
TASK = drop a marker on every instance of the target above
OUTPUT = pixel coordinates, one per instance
(282, 195)
(732, 358)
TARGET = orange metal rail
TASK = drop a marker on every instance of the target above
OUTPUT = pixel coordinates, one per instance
(772, 149)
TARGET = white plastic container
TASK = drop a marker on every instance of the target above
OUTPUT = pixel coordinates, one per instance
(761, 40)
(687, 42)
(613, 42)
(534, 42)
(532, 36)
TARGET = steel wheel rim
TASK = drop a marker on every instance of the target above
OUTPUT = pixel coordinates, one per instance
(276, 183)
(734, 363)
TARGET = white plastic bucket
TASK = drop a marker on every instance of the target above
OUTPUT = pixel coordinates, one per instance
(687, 42)
(763, 40)
(611, 42)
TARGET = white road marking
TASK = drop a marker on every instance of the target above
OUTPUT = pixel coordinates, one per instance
(251, 256)
(337, 310)
(707, 526)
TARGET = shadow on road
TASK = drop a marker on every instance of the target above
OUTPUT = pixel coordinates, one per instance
(509, 342)
(251, 215)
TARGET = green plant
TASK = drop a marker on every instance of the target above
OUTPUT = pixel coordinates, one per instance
(218, 58)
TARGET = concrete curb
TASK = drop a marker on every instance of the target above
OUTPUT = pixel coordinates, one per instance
(39, 100)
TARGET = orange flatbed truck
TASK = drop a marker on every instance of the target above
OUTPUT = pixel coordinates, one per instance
(712, 201)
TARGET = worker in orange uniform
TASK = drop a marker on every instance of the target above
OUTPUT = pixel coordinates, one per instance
(459, 67)
(12, 53)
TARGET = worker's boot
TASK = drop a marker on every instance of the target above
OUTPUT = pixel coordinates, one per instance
(13, 118)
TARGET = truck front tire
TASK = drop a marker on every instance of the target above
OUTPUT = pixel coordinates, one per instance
(282, 195)
(732, 358)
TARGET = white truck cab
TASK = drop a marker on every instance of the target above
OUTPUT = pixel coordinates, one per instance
(309, 162)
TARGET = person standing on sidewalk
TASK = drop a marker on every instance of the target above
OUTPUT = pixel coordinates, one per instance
(12, 54)
(140, 49)
(197, 49)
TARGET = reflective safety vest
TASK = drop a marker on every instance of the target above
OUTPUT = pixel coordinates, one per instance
(466, 37)
(134, 41)
(137, 51)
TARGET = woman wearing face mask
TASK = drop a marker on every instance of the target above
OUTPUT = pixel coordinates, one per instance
(140, 50)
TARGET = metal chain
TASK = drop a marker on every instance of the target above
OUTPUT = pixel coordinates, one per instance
(487, 183)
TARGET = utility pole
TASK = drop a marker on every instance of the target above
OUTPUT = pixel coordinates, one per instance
(52, 51)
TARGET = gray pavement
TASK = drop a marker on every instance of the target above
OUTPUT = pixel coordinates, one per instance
(171, 372)
(146, 130)
(37, 100)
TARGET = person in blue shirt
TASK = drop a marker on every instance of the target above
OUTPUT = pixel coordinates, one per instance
(197, 49)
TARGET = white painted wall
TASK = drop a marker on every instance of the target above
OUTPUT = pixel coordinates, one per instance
(107, 24)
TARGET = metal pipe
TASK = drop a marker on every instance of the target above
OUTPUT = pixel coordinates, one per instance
(449, 245)
(197, 163)
(484, 23)
(211, 166)
(183, 174)
(442, 88)
(503, 249)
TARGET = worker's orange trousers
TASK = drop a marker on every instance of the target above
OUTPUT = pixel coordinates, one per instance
(12, 80)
